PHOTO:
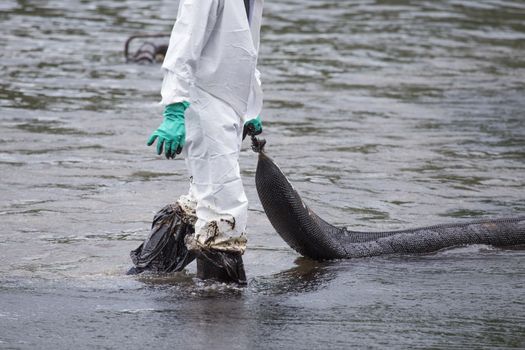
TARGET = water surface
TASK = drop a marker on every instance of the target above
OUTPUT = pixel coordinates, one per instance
(384, 115)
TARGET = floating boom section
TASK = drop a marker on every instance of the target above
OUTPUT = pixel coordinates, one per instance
(314, 238)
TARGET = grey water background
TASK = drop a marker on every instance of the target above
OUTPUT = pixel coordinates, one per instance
(384, 115)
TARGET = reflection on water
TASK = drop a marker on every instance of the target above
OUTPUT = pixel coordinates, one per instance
(307, 276)
(384, 115)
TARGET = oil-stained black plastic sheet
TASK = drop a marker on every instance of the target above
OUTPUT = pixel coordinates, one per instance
(164, 249)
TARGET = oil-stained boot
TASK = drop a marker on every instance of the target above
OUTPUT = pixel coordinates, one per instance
(221, 266)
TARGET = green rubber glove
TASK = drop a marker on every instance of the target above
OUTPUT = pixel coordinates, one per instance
(252, 127)
(171, 133)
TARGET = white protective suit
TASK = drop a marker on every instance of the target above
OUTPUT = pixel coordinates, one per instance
(211, 63)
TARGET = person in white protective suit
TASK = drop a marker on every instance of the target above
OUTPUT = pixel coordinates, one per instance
(211, 93)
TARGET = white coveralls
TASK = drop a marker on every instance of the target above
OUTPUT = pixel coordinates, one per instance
(211, 63)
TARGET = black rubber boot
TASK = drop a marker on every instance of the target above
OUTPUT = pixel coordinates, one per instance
(221, 266)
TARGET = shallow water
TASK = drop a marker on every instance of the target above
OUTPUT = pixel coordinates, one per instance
(384, 115)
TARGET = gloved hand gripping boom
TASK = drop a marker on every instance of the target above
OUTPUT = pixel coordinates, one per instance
(252, 127)
(171, 133)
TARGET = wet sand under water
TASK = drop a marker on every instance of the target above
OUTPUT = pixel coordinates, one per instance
(384, 115)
